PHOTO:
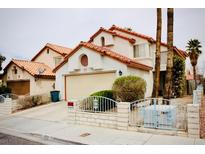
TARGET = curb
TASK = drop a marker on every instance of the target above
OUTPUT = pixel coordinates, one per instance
(43, 139)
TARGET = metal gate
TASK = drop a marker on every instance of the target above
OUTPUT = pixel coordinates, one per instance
(158, 113)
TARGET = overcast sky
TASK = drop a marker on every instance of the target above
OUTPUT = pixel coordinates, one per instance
(23, 32)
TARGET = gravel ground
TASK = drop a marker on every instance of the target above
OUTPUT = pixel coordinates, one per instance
(12, 140)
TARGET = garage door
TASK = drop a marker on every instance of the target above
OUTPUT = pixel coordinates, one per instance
(19, 87)
(81, 86)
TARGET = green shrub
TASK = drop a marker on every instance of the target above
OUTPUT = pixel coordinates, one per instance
(129, 88)
(4, 90)
(104, 93)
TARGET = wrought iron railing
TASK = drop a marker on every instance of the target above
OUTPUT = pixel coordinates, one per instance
(97, 104)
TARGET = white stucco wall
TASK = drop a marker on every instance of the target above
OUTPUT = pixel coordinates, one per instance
(109, 40)
(48, 58)
(96, 62)
(125, 48)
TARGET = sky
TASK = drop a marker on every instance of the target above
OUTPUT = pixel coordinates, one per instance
(23, 32)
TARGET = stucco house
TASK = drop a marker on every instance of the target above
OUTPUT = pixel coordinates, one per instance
(34, 77)
(109, 53)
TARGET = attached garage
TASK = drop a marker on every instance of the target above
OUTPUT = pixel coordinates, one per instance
(19, 87)
(78, 86)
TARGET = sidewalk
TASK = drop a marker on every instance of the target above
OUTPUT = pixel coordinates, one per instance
(86, 134)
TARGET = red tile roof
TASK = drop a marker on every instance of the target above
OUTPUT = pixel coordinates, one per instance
(150, 39)
(33, 68)
(58, 49)
(131, 33)
(106, 51)
(131, 40)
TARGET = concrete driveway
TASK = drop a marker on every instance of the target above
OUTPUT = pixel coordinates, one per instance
(56, 112)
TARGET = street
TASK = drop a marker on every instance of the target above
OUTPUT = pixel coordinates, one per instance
(13, 140)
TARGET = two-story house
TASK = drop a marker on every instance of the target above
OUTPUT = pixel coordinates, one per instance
(35, 76)
(109, 53)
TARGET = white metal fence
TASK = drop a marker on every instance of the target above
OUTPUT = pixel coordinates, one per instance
(97, 104)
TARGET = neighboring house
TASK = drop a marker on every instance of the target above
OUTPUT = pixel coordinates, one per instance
(26, 77)
(94, 65)
(35, 76)
(51, 54)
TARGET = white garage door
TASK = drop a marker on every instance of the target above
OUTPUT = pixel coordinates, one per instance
(81, 86)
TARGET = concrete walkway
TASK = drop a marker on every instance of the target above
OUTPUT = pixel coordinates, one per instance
(50, 121)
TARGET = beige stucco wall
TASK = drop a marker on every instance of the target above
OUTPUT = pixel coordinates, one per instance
(41, 86)
(21, 74)
(48, 59)
(36, 87)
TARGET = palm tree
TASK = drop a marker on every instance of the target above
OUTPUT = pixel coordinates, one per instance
(157, 54)
(168, 80)
(194, 51)
(2, 59)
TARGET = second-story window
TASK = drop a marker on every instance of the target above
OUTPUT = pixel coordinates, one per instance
(139, 50)
(47, 51)
(102, 41)
(57, 60)
(136, 51)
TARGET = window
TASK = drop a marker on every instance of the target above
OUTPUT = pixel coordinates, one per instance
(15, 71)
(47, 51)
(142, 50)
(84, 60)
(102, 41)
(57, 60)
(136, 51)
(139, 50)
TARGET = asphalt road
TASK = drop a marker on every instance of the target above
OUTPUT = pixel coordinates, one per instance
(13, 140)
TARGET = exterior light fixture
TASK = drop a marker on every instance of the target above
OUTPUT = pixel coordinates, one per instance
(120, 73)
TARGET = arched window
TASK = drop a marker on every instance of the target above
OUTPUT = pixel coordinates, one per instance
(102, 41)
(84, 60)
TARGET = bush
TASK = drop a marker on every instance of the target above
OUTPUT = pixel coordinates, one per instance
(4, 90)
(129, 88)
(32, 101)
(104, 93)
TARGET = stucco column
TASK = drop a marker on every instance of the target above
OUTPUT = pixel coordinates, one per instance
(193, 120)
(6, 107)
(123, 109)
(72, 108)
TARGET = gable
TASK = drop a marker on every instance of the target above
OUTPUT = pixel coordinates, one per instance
(48, 56)
(19, 74)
